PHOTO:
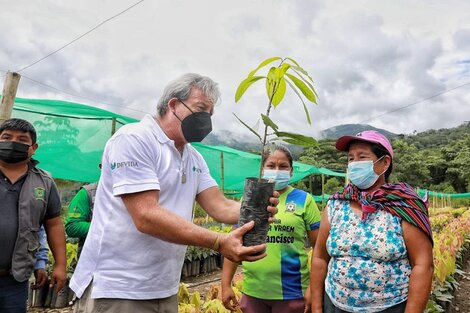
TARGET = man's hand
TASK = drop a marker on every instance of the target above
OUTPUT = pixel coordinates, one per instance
(40, 276)
(59, 276)
(231, 246)
(274, 201)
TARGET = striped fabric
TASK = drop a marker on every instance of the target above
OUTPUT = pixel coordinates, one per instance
(398, 199)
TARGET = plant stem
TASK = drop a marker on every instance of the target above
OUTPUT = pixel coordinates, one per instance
(265, 135)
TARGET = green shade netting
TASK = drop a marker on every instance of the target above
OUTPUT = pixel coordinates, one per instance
(71, 136)
(422, 192)
(237, 165)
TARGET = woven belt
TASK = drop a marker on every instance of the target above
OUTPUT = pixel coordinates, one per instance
(4, 273)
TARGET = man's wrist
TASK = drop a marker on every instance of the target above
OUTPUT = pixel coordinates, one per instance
(216, 245)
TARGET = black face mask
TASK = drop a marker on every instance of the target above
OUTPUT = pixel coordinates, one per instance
(13, 152)
(195, 126)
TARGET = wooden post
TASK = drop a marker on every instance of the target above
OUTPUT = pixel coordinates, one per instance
(10, 86)
(310, 181)
(222, 172)
(113, 126)
(322, 190)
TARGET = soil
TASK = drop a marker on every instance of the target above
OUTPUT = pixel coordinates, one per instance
(203, 283)
(461, 303)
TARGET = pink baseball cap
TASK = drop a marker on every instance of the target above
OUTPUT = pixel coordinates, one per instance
(372, 136)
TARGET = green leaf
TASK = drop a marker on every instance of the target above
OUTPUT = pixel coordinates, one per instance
(301, 70)
(297, 139)
(308, 82)
(307, 92)
(263, 64)
(307, 114)
(280, 92)
(251, 129)
(293, 61)
(268, 122)
(271, 82)
(247, 82)
(284, 68)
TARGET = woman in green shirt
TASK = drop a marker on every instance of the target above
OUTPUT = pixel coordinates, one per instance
(278, 282)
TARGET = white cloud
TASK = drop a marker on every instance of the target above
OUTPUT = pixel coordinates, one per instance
(366, 57)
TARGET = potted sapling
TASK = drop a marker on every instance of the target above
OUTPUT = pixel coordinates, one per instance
(257, 191)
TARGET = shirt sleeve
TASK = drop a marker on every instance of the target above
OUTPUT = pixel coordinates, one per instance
(41, 254)
(312, 214)
(53, 203)
(77, 223)
(132, 165)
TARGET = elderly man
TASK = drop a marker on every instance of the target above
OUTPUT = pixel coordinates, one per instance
(29, 199)
(132, 257)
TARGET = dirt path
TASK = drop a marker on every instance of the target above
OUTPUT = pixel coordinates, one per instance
(462, 296)
(203, 283)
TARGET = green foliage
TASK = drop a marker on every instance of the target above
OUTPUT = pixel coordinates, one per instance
(437, 160)
(332, 185)
(199, 253)
(325, 155)
(287, 73)
(71, 254)
(199, 211)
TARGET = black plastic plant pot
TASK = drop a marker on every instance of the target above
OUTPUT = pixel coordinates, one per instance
(254, 208)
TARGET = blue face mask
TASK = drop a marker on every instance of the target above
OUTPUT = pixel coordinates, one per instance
(362, 174)
(281, 178)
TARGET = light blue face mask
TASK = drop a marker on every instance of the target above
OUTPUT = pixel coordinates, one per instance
(281, 178)
(362, 174)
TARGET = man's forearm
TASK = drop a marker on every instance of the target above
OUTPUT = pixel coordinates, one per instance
(163, 224)
(56, 239)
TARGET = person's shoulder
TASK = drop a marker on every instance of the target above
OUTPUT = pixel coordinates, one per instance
(137, 134)
(45, 174)
(300, 192)
(136, 129)
(193, 152)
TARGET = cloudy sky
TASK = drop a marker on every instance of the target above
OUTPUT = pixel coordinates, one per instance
(367, 57)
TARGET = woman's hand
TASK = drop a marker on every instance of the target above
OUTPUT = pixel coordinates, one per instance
(307, 300)
(229, 299)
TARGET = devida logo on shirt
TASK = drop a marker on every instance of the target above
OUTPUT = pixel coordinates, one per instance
(115, 165)
(197, 170)
(40, 193)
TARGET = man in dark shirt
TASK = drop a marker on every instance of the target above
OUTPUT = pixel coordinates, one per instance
(29, 199)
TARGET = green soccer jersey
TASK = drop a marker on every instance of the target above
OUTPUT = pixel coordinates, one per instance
(283, 274)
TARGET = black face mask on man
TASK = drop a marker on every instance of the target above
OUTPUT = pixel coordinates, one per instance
(13, 152)
(195, 126)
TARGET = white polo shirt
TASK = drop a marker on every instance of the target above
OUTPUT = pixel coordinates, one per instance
(123, 262)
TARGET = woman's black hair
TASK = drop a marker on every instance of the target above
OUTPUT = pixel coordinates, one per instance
(275, 148)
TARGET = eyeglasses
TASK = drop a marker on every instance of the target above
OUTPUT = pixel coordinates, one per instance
(185, 105)
(205, 105)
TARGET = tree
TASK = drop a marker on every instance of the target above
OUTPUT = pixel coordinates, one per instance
(409, 165)
(332, 185)
(287, 72)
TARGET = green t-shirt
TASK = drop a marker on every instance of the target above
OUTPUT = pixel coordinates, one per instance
(79, 216)
(283, 274)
